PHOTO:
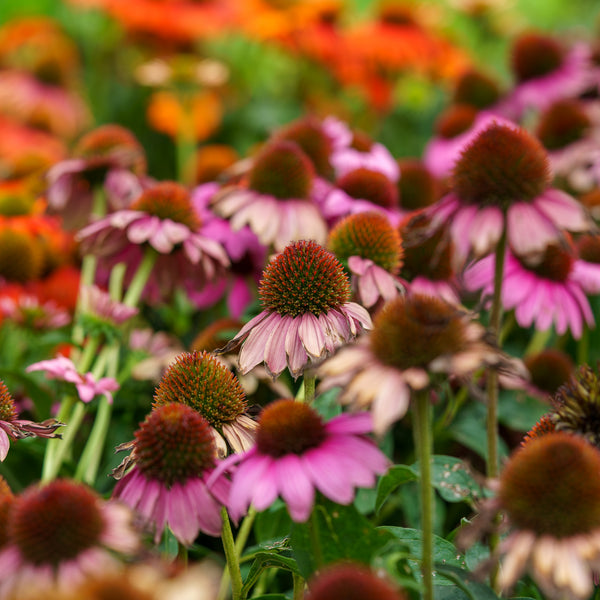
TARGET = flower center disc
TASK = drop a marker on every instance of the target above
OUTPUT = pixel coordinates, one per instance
(552, 486)
(417, 187)
(304, 278)
(562, 124)
(55, 523)
(535, 56)
(283, 171)
(411, 331)
(168, 200)
(455, 120)
(501, 166)
(21, 259)
(476, 89)
(200, 381)
(554, 264)
(288, 427)
(366, 184)
(173, 444)
(368, 235)
(549, 369)
(8, 412)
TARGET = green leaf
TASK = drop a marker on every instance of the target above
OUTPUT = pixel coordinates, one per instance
(444, 552)
(267, 560)
(273, 523)
(466, 583)
(336, 533)
(395, 477)
(519, 411)
(453, 480)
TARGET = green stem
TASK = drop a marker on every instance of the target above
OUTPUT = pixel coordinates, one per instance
(182, 554)
(233, 564)
(492, 378)
(52, 467)
(313, 528)
(48, 468)
(136, 287)
(538, 341)
(492, 463)
(583, 347)
(298, 586)
(309, 388)
(423, 444)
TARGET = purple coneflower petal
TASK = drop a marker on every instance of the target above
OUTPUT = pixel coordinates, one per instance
(4, 444)
(563, 210)
(311, 335)
(324, 470)
(274, 350)
(529, 229)
(347, 423)
(296, 487)
(265, 489)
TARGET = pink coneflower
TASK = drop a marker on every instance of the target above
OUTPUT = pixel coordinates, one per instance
(570, 132)
(203, 383)
(359, 190)
(246, 255)
(173, 455)
(550, 491)
(296, 453)
(100, 310)
(38, 104)
(501, 180)
(418, 187)
(455, 128)
(306, 312)
(60, 533)
(29, 311)
(13, 428)
(351, 581)
(372, 249)
(547, 289)
(109, 155)
(88, 387)
(280, 184)
(477, 89)
(414, 339)
(546, 71)
(163, 219)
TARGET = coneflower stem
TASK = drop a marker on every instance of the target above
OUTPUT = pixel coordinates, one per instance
(423, 445)
(233, 564)
(313, 527)
(136, 287)
(298, 587)
(309, 388)
(495, 324)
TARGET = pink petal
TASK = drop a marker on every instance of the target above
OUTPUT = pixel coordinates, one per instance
(563, 210)
(486, 229)
(296, 488)
(529, 229)
(180, 515)
(347, 423)
(265, 489)
(390, 402)
(253, 349)
(324, 470)
(297, 357)
(4, 444)
(275, 358)
(244, 482)
(311, 335)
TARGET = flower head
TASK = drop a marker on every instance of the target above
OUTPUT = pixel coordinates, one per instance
(203, 383)
(162, 218)
(21, 256)
(550, 490)
(60, 532)
(173, 455)
(88, 387)
(348, 581)
(502, 180)
(546, 70)
(296, 452)
(414, 337)
(545, 289)
(13, 428)
(109, 155)
(306, 312)
(417, 187)
(372, 249)
(577, 405)
(477, 89)
(280, 183)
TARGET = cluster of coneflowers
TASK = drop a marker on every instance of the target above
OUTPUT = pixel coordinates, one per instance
(340, 273)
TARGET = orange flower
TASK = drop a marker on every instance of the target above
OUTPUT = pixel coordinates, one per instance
(196, 117)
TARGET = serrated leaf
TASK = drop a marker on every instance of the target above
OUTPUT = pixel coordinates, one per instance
(395, 477)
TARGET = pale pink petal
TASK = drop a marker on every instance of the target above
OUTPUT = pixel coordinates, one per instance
(486, 229)
(528, 229)
(460, 230)
(265, 489)
(563, 210)
(311, 335)
(4, 444)
(244, 482)
(143, 229)
(180, 515)
(347, 423)
(390, 403)
(274, 354)
(587, 275)
(297, 357)
(253, 349)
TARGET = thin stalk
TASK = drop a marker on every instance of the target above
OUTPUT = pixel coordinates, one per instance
(64, 413)
(136, 287)
(492, 464)
(298, 586)
(233, 564)
(492, 377)
(423, 444)
(309, 388)
(52, 467)
(313, 528)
